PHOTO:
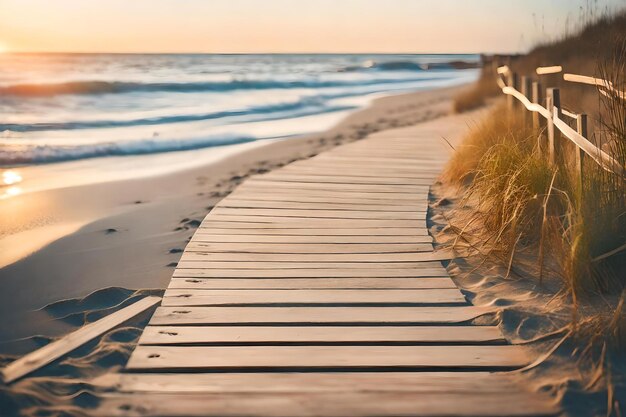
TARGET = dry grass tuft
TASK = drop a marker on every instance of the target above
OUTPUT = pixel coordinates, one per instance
(488, 132)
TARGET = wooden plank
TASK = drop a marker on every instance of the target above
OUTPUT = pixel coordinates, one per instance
(343, 179)
(187, 297)
(337, 202)
(301, 222)
(204, 237)
(329, 195)
(391, 158)
(276, 265)
(309, 283)
(388, 258)
(312, 357)
(315, 214)
(390, 197)
(365, 160)
(332, 171)
(186, 335)
(54, 350)
(322, 167)
(222, 228)
(354, 404)
(319, 205)
(254, 183)
(177, 316)
(305, 248)
(311, 273)
(339, 165)
(310, 382)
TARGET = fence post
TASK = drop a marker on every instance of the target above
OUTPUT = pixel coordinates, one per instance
(581, 128)
(553, 97)
(526, 91)
(536, 98)
(512, 81)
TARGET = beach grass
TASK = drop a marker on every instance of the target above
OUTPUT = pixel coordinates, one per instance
(522, 202)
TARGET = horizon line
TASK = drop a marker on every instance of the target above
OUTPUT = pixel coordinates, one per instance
(8, 52)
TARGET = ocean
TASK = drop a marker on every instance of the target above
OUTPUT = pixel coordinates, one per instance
(62, 107)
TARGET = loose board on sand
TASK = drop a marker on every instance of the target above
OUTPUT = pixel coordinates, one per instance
(303, 276)
(66, 344)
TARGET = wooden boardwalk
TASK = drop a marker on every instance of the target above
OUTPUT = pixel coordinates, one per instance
(314, 290)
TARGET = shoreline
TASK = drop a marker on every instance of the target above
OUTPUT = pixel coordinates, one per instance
(129, 234)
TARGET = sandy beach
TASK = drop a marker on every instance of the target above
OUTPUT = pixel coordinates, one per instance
(123, 235)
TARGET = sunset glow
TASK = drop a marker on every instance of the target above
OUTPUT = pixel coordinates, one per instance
(11, 177)
(252, 26)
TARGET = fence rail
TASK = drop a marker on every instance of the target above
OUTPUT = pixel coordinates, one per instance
(553, 113)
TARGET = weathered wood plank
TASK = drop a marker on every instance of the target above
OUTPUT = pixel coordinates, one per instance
(202, 335)
(221, 228)
(304, 186)
(202, 236)
(282, 222)
(323, 167)
(310, 382)
(365, 160)
(337, 202)
(343, 179)
(320, 205)
(309, 283)
(314, 214)
(276, 265)
(344, 357)
(354, 404)
(311, 273)
(269, 192)
(189, 297)
(54, 350)
(195, 246)
(333, 171)
(177, 316)
(298, 218)
(388, 258)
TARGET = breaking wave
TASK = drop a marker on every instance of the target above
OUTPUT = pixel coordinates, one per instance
(22, 154)
(118, 87)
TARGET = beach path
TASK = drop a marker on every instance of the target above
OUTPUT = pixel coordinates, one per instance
(314, 290)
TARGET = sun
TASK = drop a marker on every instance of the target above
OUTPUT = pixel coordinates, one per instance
(3, 48)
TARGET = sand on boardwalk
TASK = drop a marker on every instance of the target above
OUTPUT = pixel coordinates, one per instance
(128, 234)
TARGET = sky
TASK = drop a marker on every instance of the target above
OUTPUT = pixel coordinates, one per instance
(284, 26)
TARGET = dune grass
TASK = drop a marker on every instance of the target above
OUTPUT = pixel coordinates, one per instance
(522, 202)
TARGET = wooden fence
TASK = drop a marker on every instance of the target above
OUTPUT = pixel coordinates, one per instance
(555, 115)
